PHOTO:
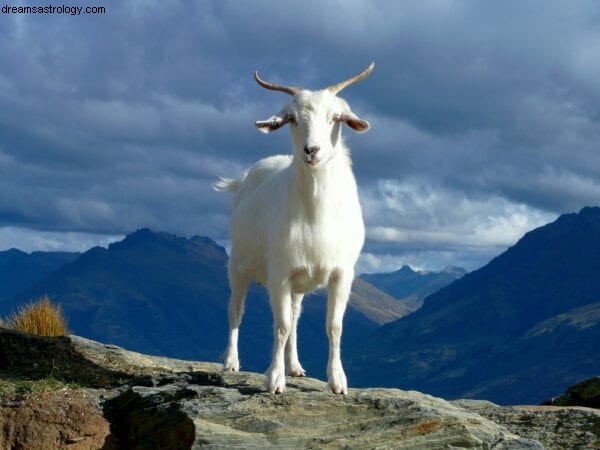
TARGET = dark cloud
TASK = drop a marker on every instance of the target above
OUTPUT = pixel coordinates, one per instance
(485, 117)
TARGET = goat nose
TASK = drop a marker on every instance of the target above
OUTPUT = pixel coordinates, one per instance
(312, 151)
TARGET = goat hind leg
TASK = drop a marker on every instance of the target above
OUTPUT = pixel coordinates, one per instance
(292, 363)
(239, 288)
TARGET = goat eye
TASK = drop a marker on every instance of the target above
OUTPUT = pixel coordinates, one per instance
(335, 118)
(291, 118)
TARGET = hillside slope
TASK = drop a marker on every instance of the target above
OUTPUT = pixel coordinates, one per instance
(520, 329)
(412, 287)
(20, 270)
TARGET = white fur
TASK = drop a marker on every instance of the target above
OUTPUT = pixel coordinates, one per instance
(297, 226)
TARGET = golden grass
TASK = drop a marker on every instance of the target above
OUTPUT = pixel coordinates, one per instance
(41, 318)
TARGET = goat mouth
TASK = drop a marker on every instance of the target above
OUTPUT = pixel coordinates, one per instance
(313, 162)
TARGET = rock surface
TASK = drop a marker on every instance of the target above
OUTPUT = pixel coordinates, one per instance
(130, 401)
(562, 428)
(197, 409)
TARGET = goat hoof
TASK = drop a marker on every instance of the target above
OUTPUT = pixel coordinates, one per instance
(275, 381)
(231, 365)
(337, 382)
(297, 372)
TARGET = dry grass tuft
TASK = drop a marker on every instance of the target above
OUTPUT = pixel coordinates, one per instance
(41, 318)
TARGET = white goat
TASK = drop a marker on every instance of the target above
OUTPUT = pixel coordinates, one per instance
(296, 226)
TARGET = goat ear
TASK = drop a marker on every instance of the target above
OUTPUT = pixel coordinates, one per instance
(357, 124)
(353, 121)
(271, 124)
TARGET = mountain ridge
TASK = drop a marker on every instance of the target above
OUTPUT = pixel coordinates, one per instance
(163, 294)
(469, 338)
(19, 269)
(412, 287)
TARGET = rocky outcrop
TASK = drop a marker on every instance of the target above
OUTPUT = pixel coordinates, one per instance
(53, 420)
(557, 427)
(586, 393)
(154, 402)
(193, 410)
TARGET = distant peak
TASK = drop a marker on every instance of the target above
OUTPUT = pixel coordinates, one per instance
(142, 232)
(406, 269)
(145, 237)
(137, 236)
(14, 251)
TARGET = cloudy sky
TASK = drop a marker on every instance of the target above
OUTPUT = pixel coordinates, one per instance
(485, 117)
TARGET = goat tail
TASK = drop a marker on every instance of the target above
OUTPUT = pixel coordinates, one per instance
(227, 184)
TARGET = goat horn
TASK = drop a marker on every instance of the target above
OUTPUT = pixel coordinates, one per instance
(335, 88)
(292, 90)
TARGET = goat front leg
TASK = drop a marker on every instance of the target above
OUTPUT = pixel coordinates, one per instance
(292, 362)
(280, 298)
(338, 292)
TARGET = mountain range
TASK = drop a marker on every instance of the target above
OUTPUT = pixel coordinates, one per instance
(162, 294)
(20, 270)
(412, 287)
(520, 329)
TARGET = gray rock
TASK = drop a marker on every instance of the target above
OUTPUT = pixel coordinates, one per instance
(232, 410)
(559, 428)
(156, 402)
